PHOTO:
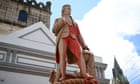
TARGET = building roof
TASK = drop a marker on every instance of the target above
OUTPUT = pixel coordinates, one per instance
(36, 36)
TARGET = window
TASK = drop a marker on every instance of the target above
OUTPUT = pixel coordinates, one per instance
(23, 15)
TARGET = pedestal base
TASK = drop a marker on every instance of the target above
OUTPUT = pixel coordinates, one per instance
(71, 79)
(77, 81)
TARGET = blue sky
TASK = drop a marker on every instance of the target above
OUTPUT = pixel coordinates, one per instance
(110, 28)
(135, 40)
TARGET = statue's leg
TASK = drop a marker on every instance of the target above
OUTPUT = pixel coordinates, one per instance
(62, 53)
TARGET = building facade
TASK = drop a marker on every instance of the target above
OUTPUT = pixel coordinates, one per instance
(22, 13)
(27, 47)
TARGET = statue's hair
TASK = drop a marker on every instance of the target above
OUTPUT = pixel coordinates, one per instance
(63, 8)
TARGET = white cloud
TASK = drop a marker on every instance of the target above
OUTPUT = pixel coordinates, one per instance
(104, 27)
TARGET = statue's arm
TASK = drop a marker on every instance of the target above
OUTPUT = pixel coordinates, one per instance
(58, 24)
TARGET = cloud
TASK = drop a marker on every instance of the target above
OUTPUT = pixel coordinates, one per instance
(104, 28)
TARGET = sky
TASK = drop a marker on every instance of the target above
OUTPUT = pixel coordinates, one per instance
(111, 28)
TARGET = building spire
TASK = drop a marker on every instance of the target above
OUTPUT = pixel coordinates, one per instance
(118, 76)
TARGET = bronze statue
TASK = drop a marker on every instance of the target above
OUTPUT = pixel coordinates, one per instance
(69, 44)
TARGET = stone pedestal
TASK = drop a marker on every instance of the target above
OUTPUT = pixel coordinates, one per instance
(77, 81)
(72, 79)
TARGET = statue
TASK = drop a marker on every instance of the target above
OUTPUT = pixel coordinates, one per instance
(70, 45)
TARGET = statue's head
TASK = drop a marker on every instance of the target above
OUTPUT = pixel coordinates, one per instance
(66, 9)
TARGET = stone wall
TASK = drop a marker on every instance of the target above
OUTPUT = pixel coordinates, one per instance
(12, 12)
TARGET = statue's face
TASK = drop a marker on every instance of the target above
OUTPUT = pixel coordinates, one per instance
(67, 11)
